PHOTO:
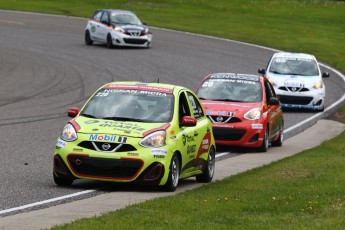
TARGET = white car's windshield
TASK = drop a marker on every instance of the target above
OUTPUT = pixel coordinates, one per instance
(130, 105)
(238, 91)
(125, 19)
(294, 66)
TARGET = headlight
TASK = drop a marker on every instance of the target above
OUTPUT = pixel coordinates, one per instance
(68, 133)
(119, 29)
(156, 139)
(271, 81)
(146, 31)
(318, 85)
(254, 114)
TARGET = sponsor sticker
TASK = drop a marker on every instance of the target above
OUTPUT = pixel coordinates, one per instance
(108, 138)
(159, 152)
(61, 144)
(257, 126)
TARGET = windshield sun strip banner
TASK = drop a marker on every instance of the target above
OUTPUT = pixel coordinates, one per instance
(139, 87)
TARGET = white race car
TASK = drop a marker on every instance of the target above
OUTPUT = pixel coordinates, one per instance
(297, 80)
(117, 28)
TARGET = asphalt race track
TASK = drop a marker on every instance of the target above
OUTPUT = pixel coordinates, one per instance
(46, 69)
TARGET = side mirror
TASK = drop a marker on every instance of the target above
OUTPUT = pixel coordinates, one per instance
(188, 121)
(262, 71)
(325, 74)
(273, 101)
(73, 112)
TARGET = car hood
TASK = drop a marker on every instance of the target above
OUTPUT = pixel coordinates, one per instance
(123, 128)
(224, 108)
(294, 80)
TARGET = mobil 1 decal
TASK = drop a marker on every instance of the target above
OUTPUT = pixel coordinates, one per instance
(107, 138)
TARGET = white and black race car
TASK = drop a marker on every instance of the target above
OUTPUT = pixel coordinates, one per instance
(297, 80)
(117, 28)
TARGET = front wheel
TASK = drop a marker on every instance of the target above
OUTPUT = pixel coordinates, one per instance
(110, 42)
(174, 174)
(88, 40)
(62, 180)
(207, 175)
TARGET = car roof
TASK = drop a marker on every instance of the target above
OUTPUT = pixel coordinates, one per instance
(294, 55)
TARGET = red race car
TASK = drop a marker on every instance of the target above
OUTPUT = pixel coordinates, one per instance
(244, 110)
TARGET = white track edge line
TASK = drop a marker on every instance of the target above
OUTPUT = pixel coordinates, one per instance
(45, 201)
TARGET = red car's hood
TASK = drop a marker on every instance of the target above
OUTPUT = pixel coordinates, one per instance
(224, 108)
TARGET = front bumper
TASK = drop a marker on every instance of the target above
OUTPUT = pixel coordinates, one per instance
(247, 134)
(313, 99)
(120, 39)
(137, 166)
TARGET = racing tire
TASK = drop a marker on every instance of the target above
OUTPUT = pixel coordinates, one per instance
(264, 145)
(88, 40)
(207, 175)
(62, 180)
(279, 141)
(110, 42)
(174, 174)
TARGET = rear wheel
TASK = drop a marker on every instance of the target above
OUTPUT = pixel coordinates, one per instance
(88, 40)
(110, 42)
(264, 145)
(62, 180)
(279, 141)
(207, 175)
(174, 174)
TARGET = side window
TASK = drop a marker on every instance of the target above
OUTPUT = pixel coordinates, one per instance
(97, 16)
(197, 108)
(183, 106)
(105, 18)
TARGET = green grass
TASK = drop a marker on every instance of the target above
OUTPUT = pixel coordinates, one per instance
(302, 192)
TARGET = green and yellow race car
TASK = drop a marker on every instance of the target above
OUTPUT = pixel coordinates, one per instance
(144, 133)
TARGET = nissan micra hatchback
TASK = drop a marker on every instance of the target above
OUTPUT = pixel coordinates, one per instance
(129, 132)
(244, 110)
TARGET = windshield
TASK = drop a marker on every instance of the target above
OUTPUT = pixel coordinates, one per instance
(130, 105)
(228, 90)
(294, 66)
(121, 18)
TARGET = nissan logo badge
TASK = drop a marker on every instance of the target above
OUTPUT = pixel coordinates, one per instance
(106, 146)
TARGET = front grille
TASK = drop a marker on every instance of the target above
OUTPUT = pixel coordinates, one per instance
(294, 89)
(226, 134)
(123, 169)
(295, 100)
(135, 33)
(224, 119)
(135, 41)
(106, 147)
